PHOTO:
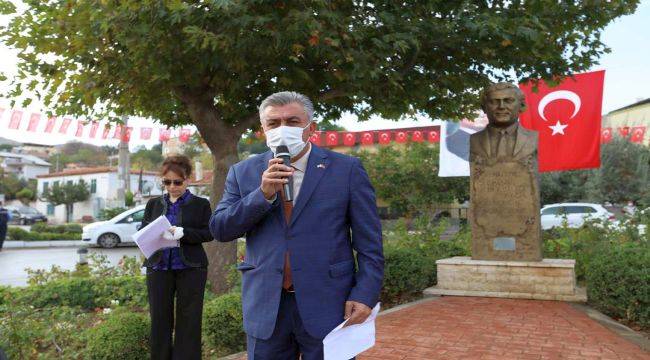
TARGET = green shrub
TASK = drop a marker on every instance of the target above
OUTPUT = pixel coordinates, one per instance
(14, 233)
(76, 292)
(57, 229)
(222, 324)
(618, 282)
(128, 290)
(109, 213)
(123, 336)
(407, 272)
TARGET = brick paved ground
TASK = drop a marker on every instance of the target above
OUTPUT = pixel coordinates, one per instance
(488, 328)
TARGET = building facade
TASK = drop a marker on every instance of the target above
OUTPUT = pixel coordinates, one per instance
(103, 184)
(24, 166)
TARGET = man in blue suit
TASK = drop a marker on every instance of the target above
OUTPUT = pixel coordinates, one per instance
(299, 279)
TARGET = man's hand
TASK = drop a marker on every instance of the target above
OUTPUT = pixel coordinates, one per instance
(274, 177)
(356, 312)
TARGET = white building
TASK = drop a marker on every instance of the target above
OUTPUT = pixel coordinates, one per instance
(24, 166)
(103, 184)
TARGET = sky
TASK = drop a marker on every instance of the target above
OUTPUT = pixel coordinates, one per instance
(627, 80)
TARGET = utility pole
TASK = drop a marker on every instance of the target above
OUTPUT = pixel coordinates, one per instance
(123, 165)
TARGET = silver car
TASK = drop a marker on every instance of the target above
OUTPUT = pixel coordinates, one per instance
(575, 214)
(118, 230)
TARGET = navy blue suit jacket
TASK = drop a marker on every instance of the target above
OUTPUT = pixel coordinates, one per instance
(334, 214)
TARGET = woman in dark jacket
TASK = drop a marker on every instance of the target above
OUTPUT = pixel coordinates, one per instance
(179, 272)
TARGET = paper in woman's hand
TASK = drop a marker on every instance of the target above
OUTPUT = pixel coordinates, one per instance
(150, 238)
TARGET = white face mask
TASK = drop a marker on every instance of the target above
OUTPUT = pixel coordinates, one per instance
(290, 136)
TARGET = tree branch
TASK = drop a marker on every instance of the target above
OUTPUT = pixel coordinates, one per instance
(247, 122)
(331, 94)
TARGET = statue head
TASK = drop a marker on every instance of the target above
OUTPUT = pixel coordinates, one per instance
(502, 103)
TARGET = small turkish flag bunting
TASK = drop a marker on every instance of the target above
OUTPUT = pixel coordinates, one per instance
(638, 133)
(367, 138)
(417, 136)
(145, 133)
(315, 138)
(332, 138)
(65, 125)
(434, 136)
(34, 119)
(49, 125)
(384, 137)
(349, 139)
(94, 126)
(606, 136)
(16, 117)
(401, 137)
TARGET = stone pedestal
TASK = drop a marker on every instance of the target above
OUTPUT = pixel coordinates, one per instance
(549, 279)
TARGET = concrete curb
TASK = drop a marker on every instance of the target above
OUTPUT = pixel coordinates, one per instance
(43, 244)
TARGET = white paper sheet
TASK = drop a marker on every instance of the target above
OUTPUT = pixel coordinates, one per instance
(344, 343)
(150, 238)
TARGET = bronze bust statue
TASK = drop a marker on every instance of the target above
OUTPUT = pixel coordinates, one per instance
(503, 139)
(504, 189)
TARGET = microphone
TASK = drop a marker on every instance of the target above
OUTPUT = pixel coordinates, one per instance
(282, 152)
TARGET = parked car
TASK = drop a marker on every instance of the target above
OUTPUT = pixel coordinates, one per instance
(118, 230)
(25, 215)
(575, 214)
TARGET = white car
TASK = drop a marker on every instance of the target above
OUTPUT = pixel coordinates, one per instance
(108, 234)
(575, 214)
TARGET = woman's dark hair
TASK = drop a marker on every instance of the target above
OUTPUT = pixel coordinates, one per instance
(180, 164)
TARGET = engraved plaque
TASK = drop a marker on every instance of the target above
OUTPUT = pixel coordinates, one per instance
(504, 244)
(505, 205)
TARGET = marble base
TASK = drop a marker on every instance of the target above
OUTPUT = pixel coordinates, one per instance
(549, 279)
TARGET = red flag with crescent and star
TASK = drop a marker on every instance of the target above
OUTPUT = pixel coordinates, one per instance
(384, 137)
(332, 138)
(606, 135)
(567, 118)
(367, 138)
(638, 133)
(349, 139)
(315, 138)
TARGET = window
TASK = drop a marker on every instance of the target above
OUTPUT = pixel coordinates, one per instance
(46, 185)
(577, 209)
(70, 182)
(56, 183)
(93, 186)
(50, 209)
(551, 211)
(138, 216)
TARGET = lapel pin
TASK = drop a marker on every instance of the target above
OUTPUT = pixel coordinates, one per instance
(321, 166)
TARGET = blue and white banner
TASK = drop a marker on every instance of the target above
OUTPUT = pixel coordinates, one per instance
(454, 145)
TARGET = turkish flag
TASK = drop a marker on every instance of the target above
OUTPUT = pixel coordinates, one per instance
(49, 125)
(316, 138)
(606, 136)
(367, 138)
(107, 130)
(80, 129)
(93, 129)
(384, 137)
(16, 117)
(332, 138)
(64, 126)
(126, 135)
(624, 131)
(567, 119)
(164, 134)
(145, 133)
(401, 137)
(417, 136)
(434, 136)
(118, 132)
(184, 135)
(638, 133)
(34, 119)
(349, 139)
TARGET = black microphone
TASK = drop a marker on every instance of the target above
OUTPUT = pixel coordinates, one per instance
(282, 152)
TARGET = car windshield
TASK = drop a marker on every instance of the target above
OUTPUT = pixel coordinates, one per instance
(120, 216)
(27, 210)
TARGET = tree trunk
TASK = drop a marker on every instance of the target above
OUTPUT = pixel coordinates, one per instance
(222, 140)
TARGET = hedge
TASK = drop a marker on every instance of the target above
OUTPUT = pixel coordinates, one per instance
(222, 324)
(618, 282)
(56, 229)
(123, 336)
(14, 233)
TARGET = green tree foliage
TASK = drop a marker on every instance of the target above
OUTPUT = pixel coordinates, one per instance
(212, 62)
(147, 159)
(26, 195)
(79, 153)
(67, 195)
(407, 178)
(11, 185)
